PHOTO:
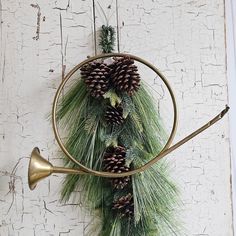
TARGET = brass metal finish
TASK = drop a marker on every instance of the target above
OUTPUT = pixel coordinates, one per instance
(54, 109)
(40, 168)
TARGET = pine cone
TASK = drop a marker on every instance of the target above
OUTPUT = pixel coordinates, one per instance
(125, 76)
(114, 115)
(114, 162)
(125, 205)
(95, 75)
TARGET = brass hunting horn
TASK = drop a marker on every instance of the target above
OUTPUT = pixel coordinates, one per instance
(39, 168)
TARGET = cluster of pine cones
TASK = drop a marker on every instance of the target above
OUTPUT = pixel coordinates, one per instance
(122, 75)
(114, 162)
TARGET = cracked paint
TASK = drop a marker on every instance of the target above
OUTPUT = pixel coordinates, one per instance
(38, 21)
(184, 39)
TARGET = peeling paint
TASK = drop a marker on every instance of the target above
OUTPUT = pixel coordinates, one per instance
(184, 39)
(38, 21)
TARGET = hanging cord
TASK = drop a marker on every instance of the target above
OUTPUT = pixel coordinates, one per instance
(107, 39)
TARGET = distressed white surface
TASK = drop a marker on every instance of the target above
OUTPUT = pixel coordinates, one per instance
(231, 65)
(184, 38)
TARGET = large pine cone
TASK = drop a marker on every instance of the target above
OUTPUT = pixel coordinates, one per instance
(125, 205)
(114, 115)
(95, 75)
(125, 76)
(114, 162)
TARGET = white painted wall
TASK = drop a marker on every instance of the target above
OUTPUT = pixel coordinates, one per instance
(185, 39)
(231, 64)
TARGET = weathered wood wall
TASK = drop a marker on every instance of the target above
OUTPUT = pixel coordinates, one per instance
(43, 40)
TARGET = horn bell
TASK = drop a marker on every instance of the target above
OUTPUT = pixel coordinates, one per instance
(39, 168)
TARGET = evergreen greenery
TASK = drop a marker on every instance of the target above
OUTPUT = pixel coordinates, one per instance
(143, 135)
(107, 39)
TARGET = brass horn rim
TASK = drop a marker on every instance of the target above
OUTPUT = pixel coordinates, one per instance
(101, 173)
(38, 168)
(31, 185)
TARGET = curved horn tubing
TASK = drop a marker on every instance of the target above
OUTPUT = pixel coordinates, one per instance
(108, 174)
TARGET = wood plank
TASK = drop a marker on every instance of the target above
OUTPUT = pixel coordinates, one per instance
(185, 40)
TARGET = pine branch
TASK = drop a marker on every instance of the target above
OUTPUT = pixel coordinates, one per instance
(155, 196)
(107, 39)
